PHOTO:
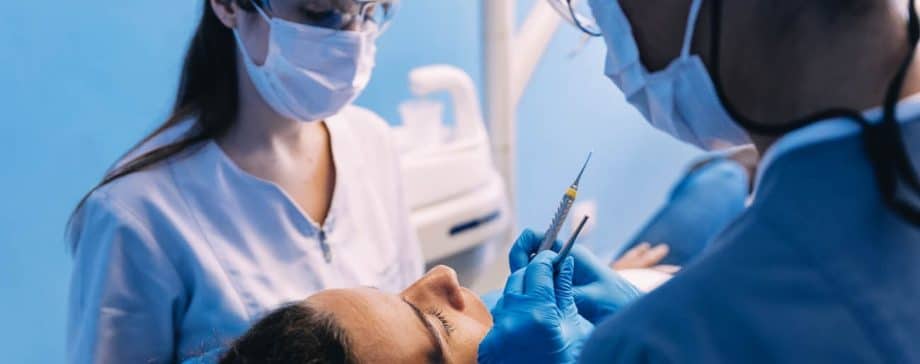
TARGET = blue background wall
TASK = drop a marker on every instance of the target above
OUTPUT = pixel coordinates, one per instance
(80, 82)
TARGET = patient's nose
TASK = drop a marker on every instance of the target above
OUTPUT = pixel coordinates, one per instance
(439, 286)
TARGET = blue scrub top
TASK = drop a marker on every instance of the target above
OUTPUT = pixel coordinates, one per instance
(817, 270)
(705, 201)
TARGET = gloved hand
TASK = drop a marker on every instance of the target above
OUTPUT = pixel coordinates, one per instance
(536, 321)
(599, 291)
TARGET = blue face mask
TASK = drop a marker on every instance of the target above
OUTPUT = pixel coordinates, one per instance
(680, 100)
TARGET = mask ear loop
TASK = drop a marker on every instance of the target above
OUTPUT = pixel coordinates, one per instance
(891, 155)
(259, 9)
(695, 7)
(239, 40)
(883, 141)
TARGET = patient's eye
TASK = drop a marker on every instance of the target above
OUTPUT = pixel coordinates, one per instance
(448, 327)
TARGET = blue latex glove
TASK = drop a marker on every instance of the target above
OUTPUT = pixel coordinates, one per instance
(490, 299)
(599, 291)
(536, 321)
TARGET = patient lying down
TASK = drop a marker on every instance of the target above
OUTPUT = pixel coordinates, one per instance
(433, 321)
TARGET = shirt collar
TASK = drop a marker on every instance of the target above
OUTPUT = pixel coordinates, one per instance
(830, 129)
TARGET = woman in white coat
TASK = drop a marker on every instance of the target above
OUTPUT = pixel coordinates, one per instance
(264, 186)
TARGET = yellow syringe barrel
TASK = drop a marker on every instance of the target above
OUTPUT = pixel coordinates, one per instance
(571, 193)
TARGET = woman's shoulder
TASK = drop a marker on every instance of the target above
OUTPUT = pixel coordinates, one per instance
(147, 204)
(147, 190)
(139, 198)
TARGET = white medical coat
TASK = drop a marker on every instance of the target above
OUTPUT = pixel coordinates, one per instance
(181, 258)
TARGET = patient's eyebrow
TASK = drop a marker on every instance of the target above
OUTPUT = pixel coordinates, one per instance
(436, 355)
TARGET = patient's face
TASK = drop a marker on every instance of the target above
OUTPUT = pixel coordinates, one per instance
(435, 320)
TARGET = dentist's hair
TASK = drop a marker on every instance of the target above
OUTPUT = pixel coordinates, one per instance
(295, 334)
(208, 92)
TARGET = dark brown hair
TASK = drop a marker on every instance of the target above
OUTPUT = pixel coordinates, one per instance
(295, 334)
(208, 92)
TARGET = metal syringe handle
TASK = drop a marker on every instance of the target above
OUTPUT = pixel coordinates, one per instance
(558, 220)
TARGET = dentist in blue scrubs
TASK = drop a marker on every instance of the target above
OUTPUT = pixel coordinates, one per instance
(822, 267)
(265, 185)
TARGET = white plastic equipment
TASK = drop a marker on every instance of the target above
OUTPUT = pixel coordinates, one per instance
(456, 196)
(510, 58)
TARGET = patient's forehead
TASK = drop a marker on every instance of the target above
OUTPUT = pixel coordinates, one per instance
(380, 326)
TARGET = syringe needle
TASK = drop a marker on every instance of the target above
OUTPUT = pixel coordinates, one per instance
(578, 179)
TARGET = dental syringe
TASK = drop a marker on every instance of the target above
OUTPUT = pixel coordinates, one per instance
(568, 199)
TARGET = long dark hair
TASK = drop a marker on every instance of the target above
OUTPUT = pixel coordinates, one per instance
(295, 334)
(208, 92)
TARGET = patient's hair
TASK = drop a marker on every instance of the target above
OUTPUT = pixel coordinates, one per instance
(292, 334)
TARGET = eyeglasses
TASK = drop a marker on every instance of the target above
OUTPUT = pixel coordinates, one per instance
(578, 14)
(350, 15)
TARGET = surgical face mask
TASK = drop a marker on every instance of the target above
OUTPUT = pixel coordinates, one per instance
(680, 100)
(311, 73)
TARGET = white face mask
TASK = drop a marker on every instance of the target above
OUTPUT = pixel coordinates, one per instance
(680, 100)
(311, 73)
